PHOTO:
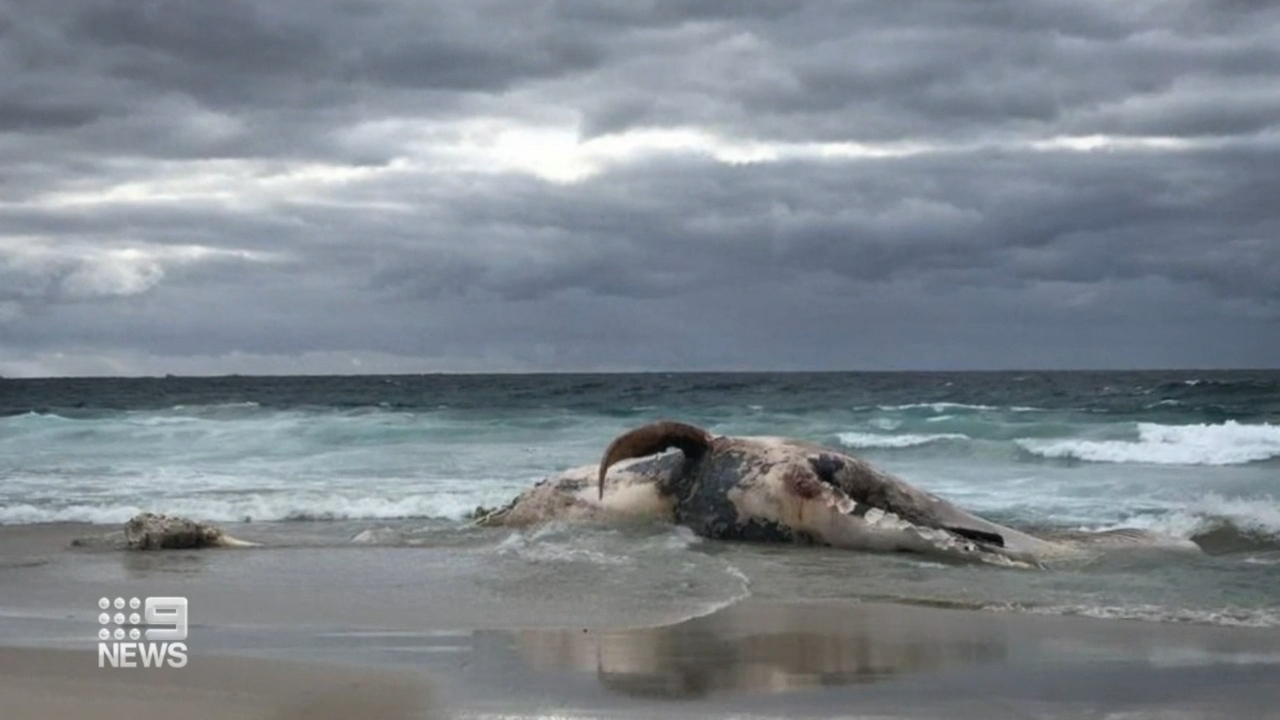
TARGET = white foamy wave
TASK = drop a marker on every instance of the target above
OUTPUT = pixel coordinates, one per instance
(245, 405)
(1229, 443)
(870, 440)
(377, 536)
(253, 507)
(887, 424)
(541, 546)
(937, 407)
(1260, 516)
(1226, 616)
(942, 407)
(682, 538)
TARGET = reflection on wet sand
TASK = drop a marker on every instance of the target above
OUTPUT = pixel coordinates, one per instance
(763, 648)
(57, 684)
(143, 566)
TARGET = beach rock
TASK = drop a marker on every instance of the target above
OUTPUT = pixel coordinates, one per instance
(152, 531)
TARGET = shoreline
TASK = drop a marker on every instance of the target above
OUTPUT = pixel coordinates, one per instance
(428, 541)
(793, 659)
(384, 625)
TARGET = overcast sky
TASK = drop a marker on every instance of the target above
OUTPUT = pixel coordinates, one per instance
(248, 186)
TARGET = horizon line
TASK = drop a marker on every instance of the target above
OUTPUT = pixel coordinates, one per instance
(553, 373)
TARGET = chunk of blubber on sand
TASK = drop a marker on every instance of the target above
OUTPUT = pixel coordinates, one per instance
(151, 531)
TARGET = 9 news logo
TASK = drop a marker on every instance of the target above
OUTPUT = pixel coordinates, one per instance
(153, 638)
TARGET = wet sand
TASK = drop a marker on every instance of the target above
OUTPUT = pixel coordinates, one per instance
(375, 638)
(41, 684)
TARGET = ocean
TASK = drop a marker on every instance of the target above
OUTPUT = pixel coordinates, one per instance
(401, 460)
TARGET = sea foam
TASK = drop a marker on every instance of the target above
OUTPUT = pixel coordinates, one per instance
(1256, 518)
(249, 507)
(1223, 616)
(1229, 443)
(871, 440)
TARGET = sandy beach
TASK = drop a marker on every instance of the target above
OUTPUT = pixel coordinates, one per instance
(402, 654)
(41, 684)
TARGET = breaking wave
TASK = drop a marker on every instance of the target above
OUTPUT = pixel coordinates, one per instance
(256, 508)
(1248, 527)
(942, 407)
(871, 440)
(1218, 525)
(1228, 443)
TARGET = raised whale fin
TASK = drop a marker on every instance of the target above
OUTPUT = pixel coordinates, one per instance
(650, 439)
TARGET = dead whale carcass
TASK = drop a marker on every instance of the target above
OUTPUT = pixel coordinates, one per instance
(772, 489)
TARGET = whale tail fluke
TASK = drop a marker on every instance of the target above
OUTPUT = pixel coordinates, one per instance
(650, 439)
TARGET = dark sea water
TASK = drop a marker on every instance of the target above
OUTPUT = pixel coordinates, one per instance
(402, 459)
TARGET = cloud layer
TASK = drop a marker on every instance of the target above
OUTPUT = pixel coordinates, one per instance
(396, 185)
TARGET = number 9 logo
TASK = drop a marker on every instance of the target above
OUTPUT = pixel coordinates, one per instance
(171, 611)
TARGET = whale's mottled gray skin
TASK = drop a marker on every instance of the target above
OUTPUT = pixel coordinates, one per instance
(782, 490)
(639, 490)
(769, 489)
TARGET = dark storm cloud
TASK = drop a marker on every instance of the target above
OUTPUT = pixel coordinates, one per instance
(478, 46)
(963, 218)
(191, 180)
(906, 70)
(285, 77)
